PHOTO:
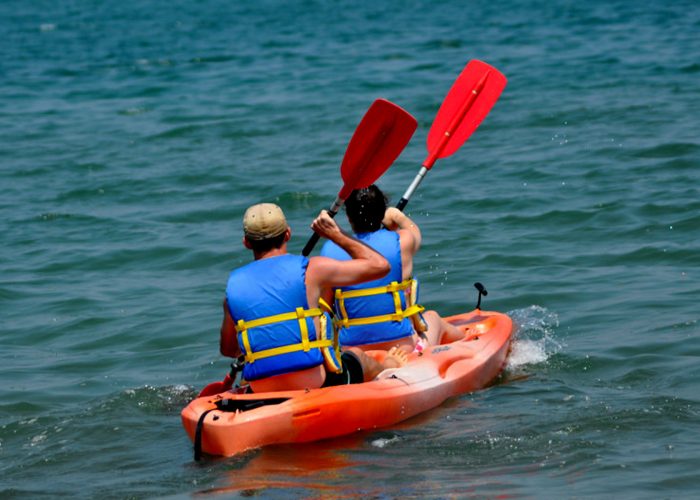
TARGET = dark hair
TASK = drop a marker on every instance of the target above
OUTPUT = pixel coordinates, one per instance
(365, 209)
(266, 244)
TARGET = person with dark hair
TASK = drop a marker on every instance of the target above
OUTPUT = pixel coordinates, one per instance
(274, 314)
(384, 313)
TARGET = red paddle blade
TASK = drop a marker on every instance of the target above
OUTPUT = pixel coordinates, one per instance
(467, 103)
(378, 140)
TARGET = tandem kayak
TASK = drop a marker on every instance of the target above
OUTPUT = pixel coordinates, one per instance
(232, 422)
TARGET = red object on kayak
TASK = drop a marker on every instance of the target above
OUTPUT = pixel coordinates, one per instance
(231, 422)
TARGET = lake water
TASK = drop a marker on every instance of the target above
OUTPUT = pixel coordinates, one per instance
(135, 134)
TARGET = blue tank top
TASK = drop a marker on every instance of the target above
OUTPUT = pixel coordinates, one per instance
(264, 288)
(386, 243)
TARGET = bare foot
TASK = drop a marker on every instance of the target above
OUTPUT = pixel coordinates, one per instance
(395, 358)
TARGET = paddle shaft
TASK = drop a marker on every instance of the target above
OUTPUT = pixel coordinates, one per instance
(335, 207)
(414, 185)
(435, 154)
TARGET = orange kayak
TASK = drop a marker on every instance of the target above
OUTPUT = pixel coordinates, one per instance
(233, 422)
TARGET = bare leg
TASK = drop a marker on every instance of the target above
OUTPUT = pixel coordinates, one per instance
(439, 330)
(394, 358)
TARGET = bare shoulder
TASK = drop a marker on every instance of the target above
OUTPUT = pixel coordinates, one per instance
(321, 262)
(320, 267)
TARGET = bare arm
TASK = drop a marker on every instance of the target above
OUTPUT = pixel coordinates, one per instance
(228, 340)
(396, 220)
(409, 236)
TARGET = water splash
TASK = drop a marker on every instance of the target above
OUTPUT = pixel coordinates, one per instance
(534, 339)
(149, 399)
(383, 442)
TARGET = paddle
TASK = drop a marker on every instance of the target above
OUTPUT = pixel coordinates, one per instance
(378, 140)
(467, 103)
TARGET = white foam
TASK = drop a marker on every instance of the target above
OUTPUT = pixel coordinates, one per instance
(526, 352)
(384, 442)
(535, 336)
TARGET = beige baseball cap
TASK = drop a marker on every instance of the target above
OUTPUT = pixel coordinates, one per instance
(263, 221)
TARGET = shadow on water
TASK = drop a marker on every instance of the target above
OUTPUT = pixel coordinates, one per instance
(280, 469)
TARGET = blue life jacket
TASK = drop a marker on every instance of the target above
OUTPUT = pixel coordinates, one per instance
(275, 327)
(375, 311)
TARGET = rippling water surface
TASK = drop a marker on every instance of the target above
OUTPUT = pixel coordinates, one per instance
(135, 134)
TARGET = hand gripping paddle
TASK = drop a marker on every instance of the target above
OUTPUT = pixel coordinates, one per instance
(466, 105)
(378, 140)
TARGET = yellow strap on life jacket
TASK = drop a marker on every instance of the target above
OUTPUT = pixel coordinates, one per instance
(393, 288)
(300, 314)
(306, 344)
(332, 363)
(419, 324)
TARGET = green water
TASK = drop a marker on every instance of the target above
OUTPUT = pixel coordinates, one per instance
(136, 134)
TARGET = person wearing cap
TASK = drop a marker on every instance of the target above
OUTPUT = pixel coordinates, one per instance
(384, 313)
(274, 315)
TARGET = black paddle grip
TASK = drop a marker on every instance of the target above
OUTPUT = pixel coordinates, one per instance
(315, 237)
(402, 204)
(310, 244)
